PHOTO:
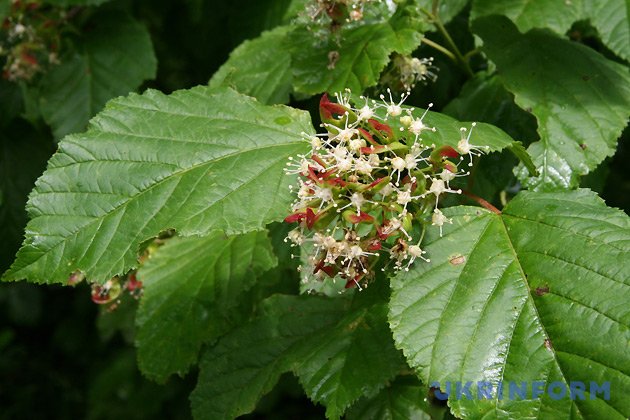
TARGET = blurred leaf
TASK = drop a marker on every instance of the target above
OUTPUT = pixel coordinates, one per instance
(11, 102)
(149, 162)
(406, 398)
(356, 357)
(23, 156)
(328, 342)
(520, 297)
(117, 390)
(447, 9)
(190, 286)
(485, 99)
(115, 57)
(581, 99)
(260, 68)
(247, 363)
(66, 3)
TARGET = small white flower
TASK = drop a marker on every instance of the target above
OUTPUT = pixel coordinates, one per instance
(394, 109)
(296, 236)
(415, 252)
(356, 144)
(438, 219)
(465, 148)
(398, 165)
(417, 126)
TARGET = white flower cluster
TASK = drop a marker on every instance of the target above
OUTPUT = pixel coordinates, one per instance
(367, 185)
(405, 72)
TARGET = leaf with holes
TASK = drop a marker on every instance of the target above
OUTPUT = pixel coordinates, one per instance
(581, 108)
(190, 286)
(518, 297)
(186, 161)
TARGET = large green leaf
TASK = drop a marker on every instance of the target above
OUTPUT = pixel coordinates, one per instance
(195, 161)
(248, 362)
(334, 373)
(260, 68)
(610, 17)
(328, 342)
(447, 10)
(190, 285)
(581, 100)
(115, 57)
(404, 399)
(538, 293)
(485, 99)
(360, 56)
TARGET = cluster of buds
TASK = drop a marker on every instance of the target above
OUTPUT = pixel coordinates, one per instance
(404, 72)
(110, 292)
(29, 39)
(369, 187)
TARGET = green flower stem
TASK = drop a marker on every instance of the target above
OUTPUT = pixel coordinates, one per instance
(435, 19)
(471, 54)
(440, 48)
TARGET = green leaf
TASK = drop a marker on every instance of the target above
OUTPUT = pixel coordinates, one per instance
(557, 15)
(447, 10)
(361, 55)
(190, 285)
(327, 342)
(581, 100)
(485, 99)
(260, 68)
(4, 9)
(404, 399)
(195, 161)
(448, 131)
(610, 17)
(334, 372)
(115, 57)
(247, 363)
(537, 293)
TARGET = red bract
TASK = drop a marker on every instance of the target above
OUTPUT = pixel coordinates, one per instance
(328, 110)
(444, 151)
(133, 283)
(362, 218)
(309, 216)
(382, 128)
